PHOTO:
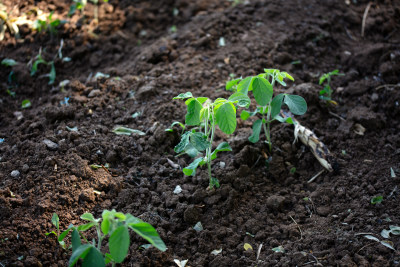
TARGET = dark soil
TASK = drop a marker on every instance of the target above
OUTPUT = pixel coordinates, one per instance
(316, 223)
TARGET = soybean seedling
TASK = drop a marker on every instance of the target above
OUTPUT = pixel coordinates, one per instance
(268, 107)
(205, 115)
(11, 80)
(326, 93)
(50, 25)
(60, 238)
(114, 227)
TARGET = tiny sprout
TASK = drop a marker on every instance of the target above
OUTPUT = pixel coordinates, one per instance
(326, 93)
(293, 170)
(377, 200)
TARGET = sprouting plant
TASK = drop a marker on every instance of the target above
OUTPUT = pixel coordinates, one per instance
(60, 238)
(268, 107)
(11, 80)
(49, 24)
(6, 22)
(113, 227)
(376, 200)
(205, 115)
(40, 60)
(77, 5)
(96, 9)
(326, 93)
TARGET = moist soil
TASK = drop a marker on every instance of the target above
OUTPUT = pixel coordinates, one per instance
(45, 166)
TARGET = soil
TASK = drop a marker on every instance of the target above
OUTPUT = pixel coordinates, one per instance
(44, 166)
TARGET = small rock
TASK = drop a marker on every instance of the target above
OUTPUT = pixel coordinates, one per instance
(95, 92)
(276, 203)
(15, 173)
(324, 211)
(147, 90)
(50, 144)
(25, 168)
(111, 156)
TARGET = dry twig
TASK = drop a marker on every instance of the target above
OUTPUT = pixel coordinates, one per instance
(365, 18)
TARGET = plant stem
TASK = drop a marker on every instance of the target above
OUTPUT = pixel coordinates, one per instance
(208, 151)
(99, 237)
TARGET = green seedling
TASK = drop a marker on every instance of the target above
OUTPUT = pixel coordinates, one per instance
(268, 107)
(38, 60)
(11, 80)
(50, 25)
(26, 103)
(376, 200)
(326, 93)
(114, 227)
(7, 22)
(60, 238)
(77, 5)
(205, 115)
(170, 129)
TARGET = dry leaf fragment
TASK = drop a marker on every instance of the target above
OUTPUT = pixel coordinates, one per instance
(359, 129)
(247, 246)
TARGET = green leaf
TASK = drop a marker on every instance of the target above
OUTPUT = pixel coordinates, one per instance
(26, 103)
(55, 220)
(63, 235)
(148, 232)
(286, 119)
(108, 258)
(105, 226)
(85, 227)
(245, 85)
(52, 74)
(376, 200)
(225, 116)
(183, 95)
(9, 62)
(75, 240)
(79, 253)
(224, 146)
(173, 124)
(230, 84)
(94, 258)
(287, 75)
(191, 151)
(244, 115)
(256, 131)
(119, 243)
(297, 105)
(88, 217)
(190, 170)
(120, 130)
(241, 99)
(183, 143)
(204, 113)
(35, 65)
(202, 99)
(276, 105)
(262, 91)
(52, 232)
(199, 141)
(193, 112)
(214, 182)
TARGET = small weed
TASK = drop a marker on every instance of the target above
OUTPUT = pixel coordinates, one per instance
(26, 103)
(326, 93)
(77, 5)
(11, 80)
(376, 200)
(50, 25)
(114, 227)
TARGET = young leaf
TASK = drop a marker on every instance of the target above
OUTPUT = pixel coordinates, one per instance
(191, 151)
(225, 116)
(224, 146)
(75, 240)
(214, 182)
(199, 141)
(376, 200)
(148, 232)
(190, 170)
(132, 219)
(94, 258)
(119, 243)
(173, 124)
(256, 131)
(88, 217)
(193, 112)
(183, 143)
(297, 105)
(241, 99)
(245, 85)
(287, 75)
(52, 74)
(79, 253)
(244, 115)
(85, 227)
(262, 91)
(230, 84)
(286, 119)
(63, 235)
(9, 62)
(276, 105)
(55, 220)
(26, 103)
(183, 95)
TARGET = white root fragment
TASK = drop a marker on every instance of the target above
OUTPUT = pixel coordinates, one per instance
(319, 149)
